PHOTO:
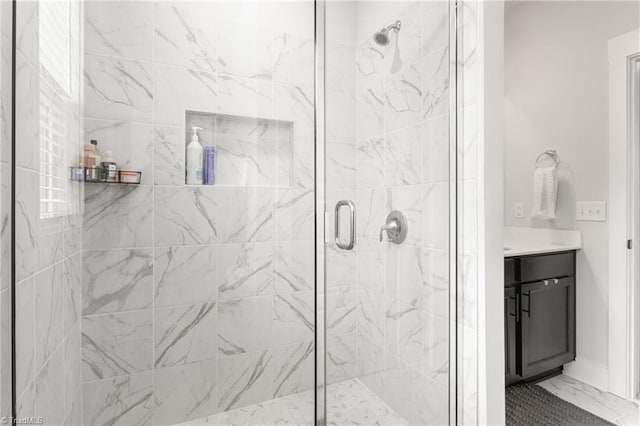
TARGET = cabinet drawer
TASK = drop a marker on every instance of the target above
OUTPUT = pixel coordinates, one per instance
(509, 272)
(535, 268)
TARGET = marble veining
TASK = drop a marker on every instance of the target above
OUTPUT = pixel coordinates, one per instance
(185, 334)
(370, 166)
(121, 29)
(25, 334)
(237, 160)
(293, 60)
(117, 216)
(185, 392)
(293, 317)
(169, 155)
(246, 379)
(403, 156)
(119, 400)
(341, 311)
(116, 280)
(295, 103)
(436, 89)
(244, 53)
(186, 216)
(197, 91)
(341, 358)
(294, 269)
(25, 211)
(246, 270)
(185, 36)
(341, 164)
(403, 97)
(116, 344)
(245, 325)
(295, 366)
(72, 290)
(49, 399)
(248, 214)
(177, 267)
(603, 404)
(245, 96)
(294, 211)
(371, 107)
(118, 89)
(49, 287)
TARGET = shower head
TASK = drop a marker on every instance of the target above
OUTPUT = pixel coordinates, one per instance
(382, 36)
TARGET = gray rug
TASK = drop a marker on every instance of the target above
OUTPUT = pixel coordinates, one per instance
(533, 405)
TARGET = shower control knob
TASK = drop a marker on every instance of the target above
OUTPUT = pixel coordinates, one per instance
(396, 227)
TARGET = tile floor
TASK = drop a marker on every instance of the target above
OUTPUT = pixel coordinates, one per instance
(603, 404)
(352, 403)
(348, 403)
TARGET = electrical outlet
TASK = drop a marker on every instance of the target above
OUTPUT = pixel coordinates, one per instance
(519, 210)
(593, 211)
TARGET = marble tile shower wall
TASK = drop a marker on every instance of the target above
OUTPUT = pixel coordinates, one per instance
(48, 248)
(402, 157)
(197, 299)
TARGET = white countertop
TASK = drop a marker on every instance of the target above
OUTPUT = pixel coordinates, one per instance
(524, 241)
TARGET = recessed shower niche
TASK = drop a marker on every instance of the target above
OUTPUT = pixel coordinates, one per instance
(248, 151)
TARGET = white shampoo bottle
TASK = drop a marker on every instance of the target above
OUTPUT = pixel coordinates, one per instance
(195, 161)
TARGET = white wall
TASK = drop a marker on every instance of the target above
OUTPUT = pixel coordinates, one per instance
(556, 97)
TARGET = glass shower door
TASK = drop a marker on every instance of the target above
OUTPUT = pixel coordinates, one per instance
(168, 299)
(387, 150)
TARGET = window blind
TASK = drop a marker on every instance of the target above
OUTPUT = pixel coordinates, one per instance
(55, 96)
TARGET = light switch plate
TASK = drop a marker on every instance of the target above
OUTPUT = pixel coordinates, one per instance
(519, 210)
(594, 211)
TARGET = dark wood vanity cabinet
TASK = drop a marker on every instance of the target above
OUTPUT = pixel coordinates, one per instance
(539, 314)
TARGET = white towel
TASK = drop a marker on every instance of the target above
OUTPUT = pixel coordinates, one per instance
(545, 193)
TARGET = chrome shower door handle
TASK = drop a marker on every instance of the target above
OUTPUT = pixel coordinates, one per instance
(352, 222)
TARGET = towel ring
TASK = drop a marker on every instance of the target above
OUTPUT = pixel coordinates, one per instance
(549, 153)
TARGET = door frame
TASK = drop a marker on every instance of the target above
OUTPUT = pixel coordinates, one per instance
(320, 361)
(624, 215)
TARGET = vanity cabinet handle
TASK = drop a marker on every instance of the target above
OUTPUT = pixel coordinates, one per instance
(546, 282)
(556, 281)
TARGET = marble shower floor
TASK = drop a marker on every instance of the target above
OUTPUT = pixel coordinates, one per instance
(603, 404)
(348, 403)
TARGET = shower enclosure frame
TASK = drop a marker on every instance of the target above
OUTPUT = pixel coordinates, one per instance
(14, 48)
(321, 216)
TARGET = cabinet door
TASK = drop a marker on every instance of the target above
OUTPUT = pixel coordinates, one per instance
(510, 321)
(547, 319)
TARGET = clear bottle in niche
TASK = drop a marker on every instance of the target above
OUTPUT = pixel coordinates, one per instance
(195, 161)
